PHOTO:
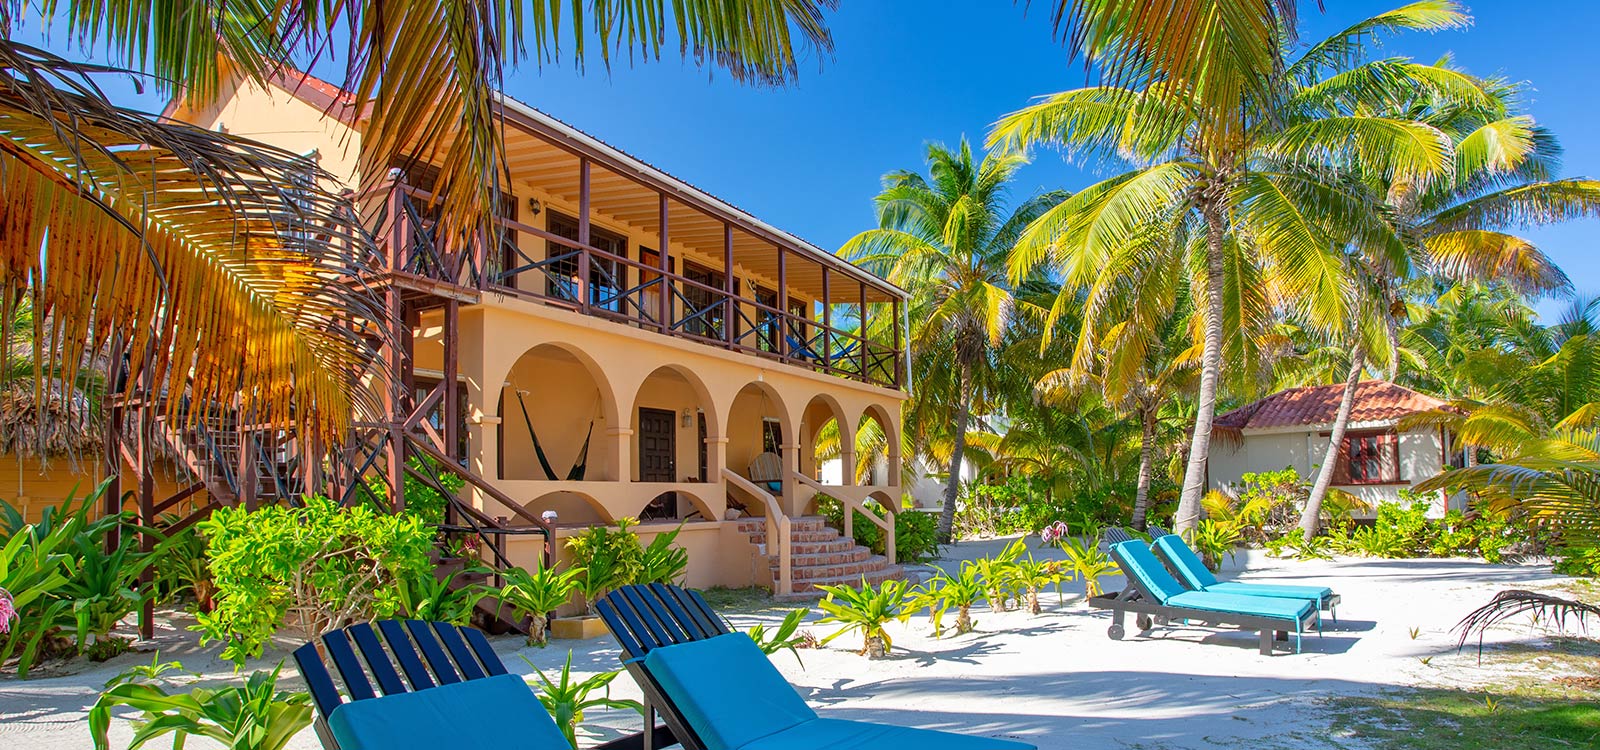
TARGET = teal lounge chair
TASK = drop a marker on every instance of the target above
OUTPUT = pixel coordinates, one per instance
(1153, 593)
(716, 690)
(1194, 574)
(455, 693)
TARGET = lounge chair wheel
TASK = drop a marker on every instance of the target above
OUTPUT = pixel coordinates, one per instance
(1144, 622)
(1116, 632)
(1163, 620)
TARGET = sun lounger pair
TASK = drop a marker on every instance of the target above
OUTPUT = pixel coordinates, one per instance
(1154, 595)
(714, 689)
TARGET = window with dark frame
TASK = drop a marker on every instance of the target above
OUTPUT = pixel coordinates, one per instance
(1369, 458)
(766, 319)
(606, 279)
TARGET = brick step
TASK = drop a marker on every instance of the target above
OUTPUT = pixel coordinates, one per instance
(852, 554)
(798, 523)
(801, 537)
(849, 570)
(807, 590)
(822, 548)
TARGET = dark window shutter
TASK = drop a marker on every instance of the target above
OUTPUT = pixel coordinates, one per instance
(1341, 466)
(1389, 456)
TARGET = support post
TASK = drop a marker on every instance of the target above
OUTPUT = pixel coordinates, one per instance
(783, 304)
(730, 304)
(665, 315)
(452, 352)
(583, 234)
(827, 322)
(895, 323)
(861, 341)
(147, 500)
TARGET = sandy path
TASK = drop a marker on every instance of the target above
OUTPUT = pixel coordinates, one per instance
(1054, 680)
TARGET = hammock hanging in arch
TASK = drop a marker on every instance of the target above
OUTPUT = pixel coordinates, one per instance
(579, 466)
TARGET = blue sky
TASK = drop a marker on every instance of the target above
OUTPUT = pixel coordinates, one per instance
(905, 72)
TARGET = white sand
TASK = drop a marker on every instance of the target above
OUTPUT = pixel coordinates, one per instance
(1054, 680)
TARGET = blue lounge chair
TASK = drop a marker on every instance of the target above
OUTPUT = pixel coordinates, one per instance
(716, 690)
(1153, 593)
(456, 694)
(1193, 573)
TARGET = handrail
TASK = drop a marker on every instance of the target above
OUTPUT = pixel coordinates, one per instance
(852, 506)
(778, 534)
(478, 482)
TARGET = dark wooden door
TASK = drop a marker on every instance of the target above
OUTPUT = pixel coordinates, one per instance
(657, 446)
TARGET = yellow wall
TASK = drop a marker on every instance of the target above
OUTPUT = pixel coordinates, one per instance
(272, 115)
(31, 485)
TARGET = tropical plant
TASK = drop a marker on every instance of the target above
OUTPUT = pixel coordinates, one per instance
(1215, 539)
(326, 564)
(662, 562)
(184, 567)
(946, 236)
(86, 174)
(783, 637)
(566, 699)
(536, 595)
(32, 569)
(608, 558)
(104, 588)
(998, 573)
(254, 715)
(867, 609)
(1086, 562)
(1236, 196)
(929, 597)
(434, 599)
(1034, 575)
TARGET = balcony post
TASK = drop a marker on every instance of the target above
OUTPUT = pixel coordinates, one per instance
(861, 342)
(665, 314)
(895, 323)
(730, 304)
(452, 349)
(827, 322)
(781, 317)
(583, 234)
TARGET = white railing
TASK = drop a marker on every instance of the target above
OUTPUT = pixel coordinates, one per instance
(778, 535)
(851, 507)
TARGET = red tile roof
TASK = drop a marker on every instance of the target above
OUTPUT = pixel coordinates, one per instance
(1376, 401)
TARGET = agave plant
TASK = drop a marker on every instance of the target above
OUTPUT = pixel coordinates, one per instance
(1086, 562)
(255, 715)
(867, 609)
(536, 595)
(566, 699)
(782, 637)
(1033, 575)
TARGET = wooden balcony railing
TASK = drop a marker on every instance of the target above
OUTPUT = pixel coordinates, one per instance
(593, 281)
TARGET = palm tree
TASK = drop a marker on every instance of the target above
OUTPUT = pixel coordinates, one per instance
(946, 237)
(221, 264)
(1235, 186)
(1138, 355)
(1455, 228)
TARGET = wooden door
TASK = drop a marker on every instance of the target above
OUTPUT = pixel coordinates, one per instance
(657, 446)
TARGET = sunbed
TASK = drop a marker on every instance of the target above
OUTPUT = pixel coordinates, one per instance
(1153, 593)
(716, 690)
(456, 694)
(1182, 560)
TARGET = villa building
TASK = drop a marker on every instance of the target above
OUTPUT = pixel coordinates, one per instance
(634, 347)
(1379, 458)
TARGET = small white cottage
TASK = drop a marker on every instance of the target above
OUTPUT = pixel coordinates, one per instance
(1292, 427)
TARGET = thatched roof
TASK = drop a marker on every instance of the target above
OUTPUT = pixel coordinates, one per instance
(48, 421)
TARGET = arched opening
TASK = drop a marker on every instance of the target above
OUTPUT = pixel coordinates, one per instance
(826, 448)
(671, 419)
(571, 508)
(555, 409)
(877, 449)
(693, 506)
(758, 429)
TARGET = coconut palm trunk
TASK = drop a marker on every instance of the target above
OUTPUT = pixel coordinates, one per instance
(1147, 455)
(952, 485)
(1311, 517)
(1194, 475)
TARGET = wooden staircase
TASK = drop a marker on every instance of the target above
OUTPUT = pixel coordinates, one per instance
(819, 555)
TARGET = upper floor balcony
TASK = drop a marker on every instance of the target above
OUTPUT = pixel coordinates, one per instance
(588, 228)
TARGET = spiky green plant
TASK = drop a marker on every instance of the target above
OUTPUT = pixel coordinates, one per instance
(566, 699)
(536, 595)
(867, 609)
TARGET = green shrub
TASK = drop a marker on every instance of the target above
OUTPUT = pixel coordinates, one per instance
(867, 609)
(662, 562)
(327, 564)
(434, 599)
(608, 557)
(916, 534)
(1215, 539)
(255, 715)
(536, 595)
(422, 500)
(566, 699)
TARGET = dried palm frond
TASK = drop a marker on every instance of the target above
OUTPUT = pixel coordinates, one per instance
(226, 267)
(1511, 603)
(48, 422)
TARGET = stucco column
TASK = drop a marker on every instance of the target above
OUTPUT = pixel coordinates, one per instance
(483, 430)
(790, 502)
(622, 438)
(847, 465)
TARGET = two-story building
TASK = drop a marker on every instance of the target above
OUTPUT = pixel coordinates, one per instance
(634, 346)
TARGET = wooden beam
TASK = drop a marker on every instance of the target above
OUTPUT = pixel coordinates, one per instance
(730, 312)
(665, 314)
(452, 349)
(583, 233)
(783, 303)
(861, 342)
(827, 320)
(895, 308)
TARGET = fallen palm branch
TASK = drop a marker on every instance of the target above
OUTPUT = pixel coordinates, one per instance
(1558, 611)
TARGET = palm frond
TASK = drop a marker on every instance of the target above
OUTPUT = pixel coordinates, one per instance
(1541, 607)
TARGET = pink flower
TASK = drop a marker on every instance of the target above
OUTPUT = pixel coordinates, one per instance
(8, 611)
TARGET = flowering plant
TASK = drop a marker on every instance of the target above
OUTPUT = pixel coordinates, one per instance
(1054, 533)
(8, 611)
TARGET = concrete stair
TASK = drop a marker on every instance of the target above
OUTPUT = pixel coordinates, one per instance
(821, 556)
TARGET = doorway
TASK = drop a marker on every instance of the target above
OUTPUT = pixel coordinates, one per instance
(657, 458)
